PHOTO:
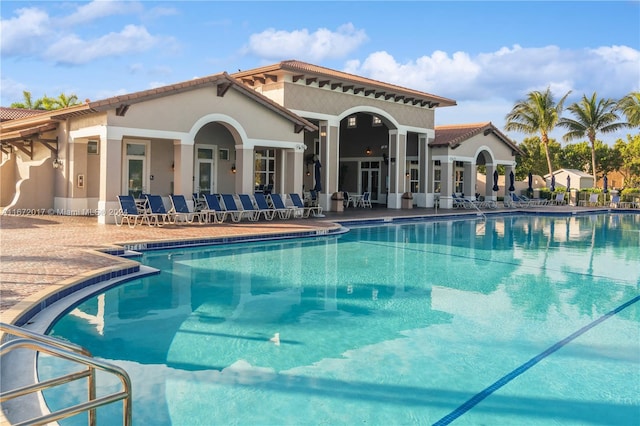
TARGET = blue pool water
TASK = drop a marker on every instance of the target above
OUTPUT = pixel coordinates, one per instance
(517, 320)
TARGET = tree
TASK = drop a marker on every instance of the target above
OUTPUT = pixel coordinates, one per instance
(576, 156)
(592, 115)
(539, 113)
(534, 158)
(630, 159)
(64, 101)
(630, 107)
(28, 102)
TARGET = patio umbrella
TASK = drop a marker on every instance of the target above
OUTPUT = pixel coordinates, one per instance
(511, 182)
(553, 183)
(568, 182)
(530, 182)
(605, 183)
(495, 181)
(318, 186)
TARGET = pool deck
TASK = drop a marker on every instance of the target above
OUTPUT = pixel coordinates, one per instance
(39, 254)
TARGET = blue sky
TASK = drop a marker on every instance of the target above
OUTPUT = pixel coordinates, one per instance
(485, 55)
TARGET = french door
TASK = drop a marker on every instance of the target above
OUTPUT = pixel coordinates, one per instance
(136, 176)
(370, 179)
(205, 169)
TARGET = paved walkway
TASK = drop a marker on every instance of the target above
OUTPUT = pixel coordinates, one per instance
(40, 252)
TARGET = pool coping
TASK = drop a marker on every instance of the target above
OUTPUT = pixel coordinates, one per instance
(40, 310)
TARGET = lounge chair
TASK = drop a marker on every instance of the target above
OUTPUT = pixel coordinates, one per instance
(181, 212)
(592, 201)
(614, 203)
(263, 206)
(249, 210)
(463, 203)
(306, 210)
(558, 200)
(156, 207)
(232, 209)
(212, 209)
(130, 212)
(283, 211)
(366, 200)
(534, 201)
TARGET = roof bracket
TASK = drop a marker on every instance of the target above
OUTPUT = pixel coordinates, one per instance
(23, 147)
(222, 88)
(298, 128)
(47, 142)
(122, 110)
(3, 146)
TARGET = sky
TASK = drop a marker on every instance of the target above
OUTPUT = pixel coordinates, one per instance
(485, 55)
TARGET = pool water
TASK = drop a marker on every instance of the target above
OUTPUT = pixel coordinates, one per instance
(517, 320)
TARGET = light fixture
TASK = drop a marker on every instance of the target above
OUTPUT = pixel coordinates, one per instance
(308, 172)
(408, 175)
(57, 163)
(233, 168)
(368, 151)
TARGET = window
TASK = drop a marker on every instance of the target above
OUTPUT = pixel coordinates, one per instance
(351, 122)
(376, 121)
(437, 177)
(92, 147)
(223, 154)
(265, 167)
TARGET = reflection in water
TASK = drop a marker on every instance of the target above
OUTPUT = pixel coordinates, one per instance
(448, 305)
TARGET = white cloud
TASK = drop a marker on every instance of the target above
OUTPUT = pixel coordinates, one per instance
(22, 34)
(11, 91)
(510, 73)
(99, 9)
(301, 44)
(72, 49)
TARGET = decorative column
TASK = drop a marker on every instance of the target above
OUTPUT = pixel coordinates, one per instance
(244, 169)
(183, 168)
(469, 183)
(490, 194)
(329, 159)
(424, 197)
(447, 182)
(294, 170)
(110, 178)
(397, 168)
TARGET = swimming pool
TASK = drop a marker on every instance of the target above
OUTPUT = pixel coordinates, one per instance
(519, 319)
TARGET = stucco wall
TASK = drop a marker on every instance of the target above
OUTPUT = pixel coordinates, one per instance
(469, 148)
(7, 180)
(325, 101)
(179, 112)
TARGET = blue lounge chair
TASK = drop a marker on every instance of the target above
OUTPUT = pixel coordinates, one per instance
(130, 212)
(156, 207)
(306, 210)
(232, 209)
(268, 211)
(249, 211)
(213, 210)
(284, 212)
(181, 212)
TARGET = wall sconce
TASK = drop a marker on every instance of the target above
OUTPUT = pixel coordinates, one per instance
(173, 166)
(408, 175)
(368, 151)
(233, 168)
(57, 163)
(308, 172)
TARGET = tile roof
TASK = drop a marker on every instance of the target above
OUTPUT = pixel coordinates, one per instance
(389, 90)
(222, 80)
(7, 114)
(455, 134)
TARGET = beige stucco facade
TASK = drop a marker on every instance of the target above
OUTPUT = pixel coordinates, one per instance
(231, 134)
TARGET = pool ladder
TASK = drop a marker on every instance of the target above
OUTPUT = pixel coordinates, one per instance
(70, 352)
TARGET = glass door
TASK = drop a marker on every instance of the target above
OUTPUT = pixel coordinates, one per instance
(370, 179)
(205, 168)
(135, 169)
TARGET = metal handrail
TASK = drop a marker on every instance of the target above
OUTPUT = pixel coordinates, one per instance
(70, 352)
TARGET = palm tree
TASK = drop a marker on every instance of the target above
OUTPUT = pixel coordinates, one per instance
(28, 102)
(630, 107)
(592, 115)
(64, 101)
(539, 113)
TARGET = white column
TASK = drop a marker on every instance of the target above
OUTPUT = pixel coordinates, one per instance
(329, 153)
(397, 168)
(244, 170)
(424, 197)
(110, 178)
(183, 158)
